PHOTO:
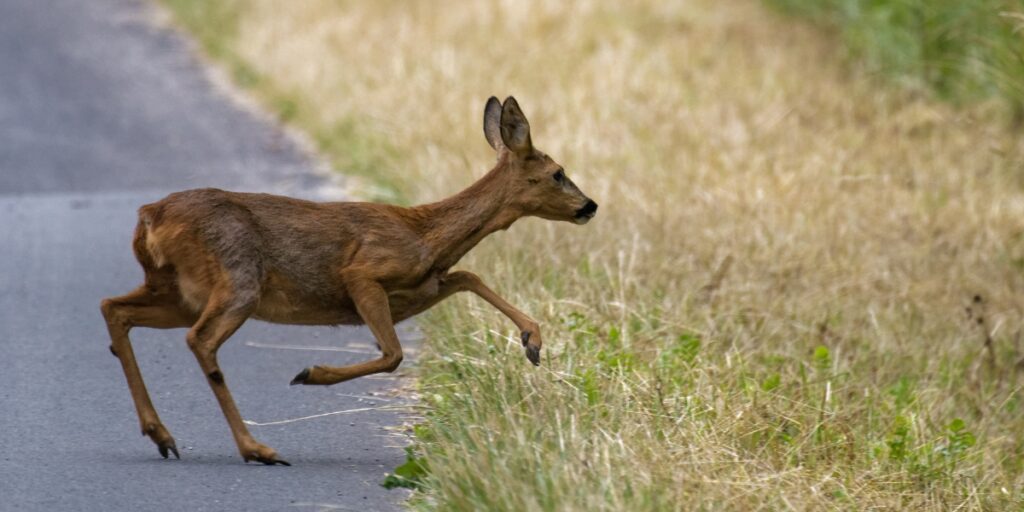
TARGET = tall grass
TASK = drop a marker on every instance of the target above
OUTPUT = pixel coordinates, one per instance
(775, 307)
(961, 50)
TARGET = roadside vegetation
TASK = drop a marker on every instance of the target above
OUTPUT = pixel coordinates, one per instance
(960, 51)
(802, 290)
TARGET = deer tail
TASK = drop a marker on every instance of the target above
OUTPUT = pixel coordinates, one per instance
(145, 244)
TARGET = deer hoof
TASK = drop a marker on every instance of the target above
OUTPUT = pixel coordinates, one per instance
(159, 435)
(269, 461)
(252, 450)
(301, 378)
(166, 446)
(533, 354)
(525, 337)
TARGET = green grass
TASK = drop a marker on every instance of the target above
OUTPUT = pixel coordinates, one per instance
(961, 50)
(722, 426)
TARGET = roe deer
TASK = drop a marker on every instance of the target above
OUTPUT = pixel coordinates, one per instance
(213, 259)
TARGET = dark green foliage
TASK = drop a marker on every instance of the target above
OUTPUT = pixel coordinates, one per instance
(960, 50)
(409, 475)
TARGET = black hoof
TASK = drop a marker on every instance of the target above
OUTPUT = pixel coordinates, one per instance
(300, 379)
(525, 337)
(168, 446)
(533, 354)
(269, 462)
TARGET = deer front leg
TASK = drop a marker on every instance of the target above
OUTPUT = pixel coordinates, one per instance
(530, 336)
(372, 305)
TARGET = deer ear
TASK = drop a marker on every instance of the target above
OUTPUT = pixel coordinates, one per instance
(515, 129)
(492, 123)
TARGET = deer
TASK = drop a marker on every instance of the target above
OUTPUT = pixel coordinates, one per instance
(213, 259)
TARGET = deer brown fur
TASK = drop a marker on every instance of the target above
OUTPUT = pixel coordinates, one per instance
(213, 259)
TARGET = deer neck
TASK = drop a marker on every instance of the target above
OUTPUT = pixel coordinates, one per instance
(455, 225)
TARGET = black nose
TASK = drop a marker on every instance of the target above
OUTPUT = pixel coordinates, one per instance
(588, 209)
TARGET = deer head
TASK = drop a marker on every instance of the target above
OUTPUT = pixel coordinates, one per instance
(537, 184)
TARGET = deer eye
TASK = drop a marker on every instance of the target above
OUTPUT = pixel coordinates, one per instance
(559, 176)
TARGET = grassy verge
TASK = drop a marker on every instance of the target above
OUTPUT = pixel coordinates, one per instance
(367, 157)
(801, 292)
(960, 50)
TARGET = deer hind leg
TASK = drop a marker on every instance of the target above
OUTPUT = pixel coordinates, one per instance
(225, 312)
(147, 306)
(372, 304)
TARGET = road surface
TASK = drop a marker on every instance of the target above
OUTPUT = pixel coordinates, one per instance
(101, 110)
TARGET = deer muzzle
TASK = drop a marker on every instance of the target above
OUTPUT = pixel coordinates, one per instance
(583, 215)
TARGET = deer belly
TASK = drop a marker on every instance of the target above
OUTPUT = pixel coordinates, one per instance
(282, 308)
(408, 302)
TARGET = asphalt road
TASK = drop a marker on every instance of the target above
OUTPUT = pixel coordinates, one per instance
(100, 112)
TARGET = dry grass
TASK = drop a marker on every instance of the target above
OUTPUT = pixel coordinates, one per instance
(768, 311)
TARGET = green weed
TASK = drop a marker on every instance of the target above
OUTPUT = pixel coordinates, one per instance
(961, 50)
